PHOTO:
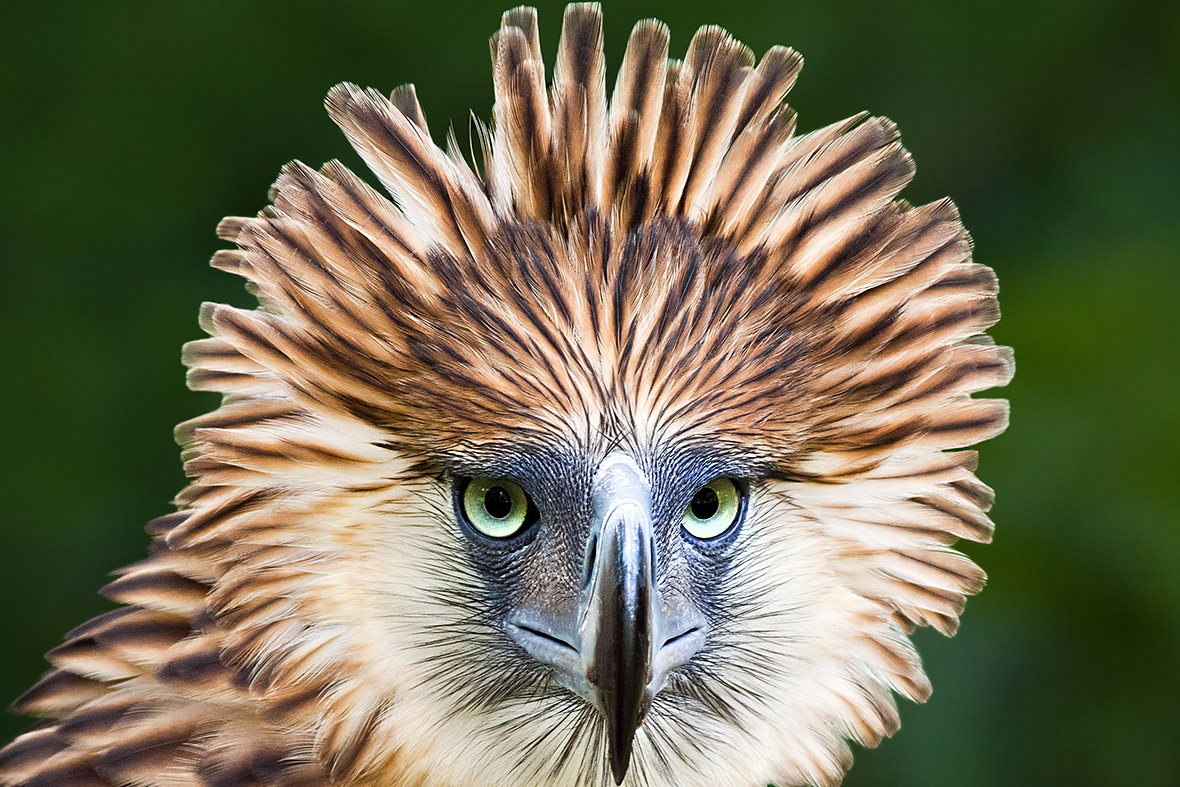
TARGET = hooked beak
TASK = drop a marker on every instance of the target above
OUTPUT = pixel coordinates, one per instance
(617, 649)
(617, 614)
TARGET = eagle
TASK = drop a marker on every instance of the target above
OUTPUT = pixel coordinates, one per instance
(629, 450)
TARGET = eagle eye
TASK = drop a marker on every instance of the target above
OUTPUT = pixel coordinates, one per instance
(713, 510)
(496, 507)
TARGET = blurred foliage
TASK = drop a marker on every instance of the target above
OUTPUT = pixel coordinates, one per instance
(130, 128)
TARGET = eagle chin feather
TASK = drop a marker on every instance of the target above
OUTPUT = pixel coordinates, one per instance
(674, 264)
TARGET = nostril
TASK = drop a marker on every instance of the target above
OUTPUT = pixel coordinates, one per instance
(545, 635)
(591, 558)
(680, 637)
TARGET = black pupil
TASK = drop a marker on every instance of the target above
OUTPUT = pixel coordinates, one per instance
(497, 502)
(705, 504)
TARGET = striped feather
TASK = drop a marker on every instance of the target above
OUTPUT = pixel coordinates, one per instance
(523, 145)
(579, 112)
(635, 111)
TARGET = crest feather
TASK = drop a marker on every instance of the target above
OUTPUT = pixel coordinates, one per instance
(579, 111)
(635, 111)
(522, 145)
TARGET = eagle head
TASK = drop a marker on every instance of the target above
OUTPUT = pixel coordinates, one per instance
(628, 456)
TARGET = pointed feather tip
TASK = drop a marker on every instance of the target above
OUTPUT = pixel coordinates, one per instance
(651, 26)
(581, 33)
(229, 228)
(57, 690)
(345, 97)
(710, 42)
(521, 21)
(22, 758)
(781, 63)
(648, 41)
(523, 17)
(405, 100)
(774, 76)
(583, 11)
(350, 106)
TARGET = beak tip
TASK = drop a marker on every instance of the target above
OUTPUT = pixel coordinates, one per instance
(618, 765)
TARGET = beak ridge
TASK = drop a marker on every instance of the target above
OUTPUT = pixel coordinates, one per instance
(617, 628)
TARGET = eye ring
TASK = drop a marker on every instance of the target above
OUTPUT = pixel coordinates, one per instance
(495, 507)
(714, 509)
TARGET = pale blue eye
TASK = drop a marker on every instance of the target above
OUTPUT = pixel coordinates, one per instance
(713, 509)
(495, 507)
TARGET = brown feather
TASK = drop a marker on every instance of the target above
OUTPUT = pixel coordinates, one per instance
(635, 110)
(579, 112)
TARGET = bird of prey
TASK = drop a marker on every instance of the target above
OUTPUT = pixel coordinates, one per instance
(628, 455)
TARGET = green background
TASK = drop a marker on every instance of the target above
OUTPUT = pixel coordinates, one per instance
(129, 129)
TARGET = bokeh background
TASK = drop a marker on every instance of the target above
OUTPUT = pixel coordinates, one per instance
(129, 128)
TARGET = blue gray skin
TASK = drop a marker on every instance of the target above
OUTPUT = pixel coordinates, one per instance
(624, 642)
